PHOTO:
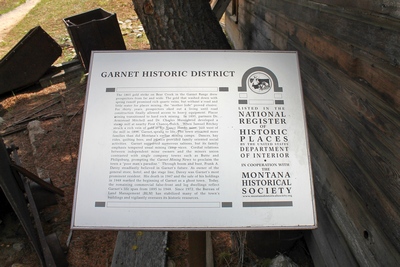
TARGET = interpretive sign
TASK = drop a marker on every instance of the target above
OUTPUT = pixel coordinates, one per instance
(194, 140)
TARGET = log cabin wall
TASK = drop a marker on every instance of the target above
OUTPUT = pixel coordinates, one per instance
(349, 54)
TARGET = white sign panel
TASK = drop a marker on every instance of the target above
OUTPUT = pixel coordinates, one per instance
(194, 140)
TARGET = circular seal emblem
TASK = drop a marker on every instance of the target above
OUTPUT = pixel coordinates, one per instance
(259, 82)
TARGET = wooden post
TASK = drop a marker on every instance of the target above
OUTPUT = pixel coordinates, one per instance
(197, 248)
(200, 249)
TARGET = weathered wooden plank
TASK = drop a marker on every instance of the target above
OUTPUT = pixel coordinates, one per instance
(390, 8)
(359, 228)
(140, 249)
(375, 200)
(349, 57)
(353, 61)
(376, 35)
(233, 33)
(379, 119)
(262, 37)
(340, 107)
(249, 37)
(378, 160)
(326, 243)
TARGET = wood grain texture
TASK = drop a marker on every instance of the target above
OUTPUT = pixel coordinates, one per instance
(369, 53)
(378, 204)
(348, 212)
(349, 54)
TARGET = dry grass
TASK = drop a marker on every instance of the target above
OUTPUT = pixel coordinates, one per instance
(7, 5)
(49, 15)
